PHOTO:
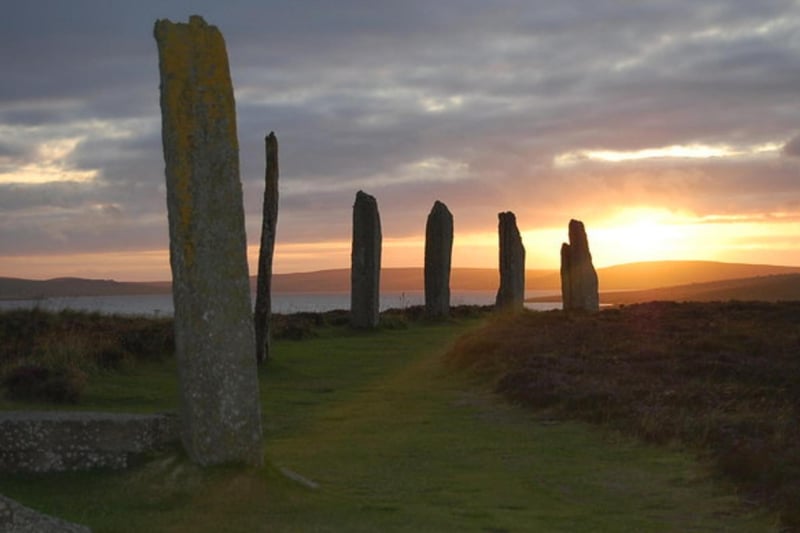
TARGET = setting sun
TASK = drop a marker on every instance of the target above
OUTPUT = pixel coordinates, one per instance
(641, 234)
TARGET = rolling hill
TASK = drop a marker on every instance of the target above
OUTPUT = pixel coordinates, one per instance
(29, 289)
(779, 287)
(662, 275)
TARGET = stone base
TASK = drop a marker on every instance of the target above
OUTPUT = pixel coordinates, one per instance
(60, 441)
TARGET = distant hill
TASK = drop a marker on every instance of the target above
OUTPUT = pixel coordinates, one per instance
(650, 275)
(392, 279)
(638, 276)
(27, 289)
(655, 274)
(780, 287)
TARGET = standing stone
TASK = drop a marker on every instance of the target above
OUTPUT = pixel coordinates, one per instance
(269, 222)
(438, 252)
(566, 290)
(511, 294)
(365, 270)
(579, 290)
(214, 339)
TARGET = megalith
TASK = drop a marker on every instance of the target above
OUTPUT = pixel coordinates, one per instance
(269, 222)
(579, 288)
(511, 294)
(438, 253)
(365, 263)
(214, 338)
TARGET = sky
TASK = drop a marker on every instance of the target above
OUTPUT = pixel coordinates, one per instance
(670, 128)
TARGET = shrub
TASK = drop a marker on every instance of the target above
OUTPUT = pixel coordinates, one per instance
(39, 383)
(146, 339)
(296, 326)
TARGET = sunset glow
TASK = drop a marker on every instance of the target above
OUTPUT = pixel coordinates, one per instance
(642, 234)
(650, 234)
(629, 235)
(145, 265)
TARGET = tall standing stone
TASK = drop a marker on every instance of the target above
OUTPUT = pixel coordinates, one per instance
(438, 253)
(511, 294)
(214, 340)
(269, 223)
(566, 289)
(365, 259)
(579, 287)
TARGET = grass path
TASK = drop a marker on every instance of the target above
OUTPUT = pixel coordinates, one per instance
(367, 432)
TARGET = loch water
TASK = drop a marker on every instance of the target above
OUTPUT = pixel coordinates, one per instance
(282, 302)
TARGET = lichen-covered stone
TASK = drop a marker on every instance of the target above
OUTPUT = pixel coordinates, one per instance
(269, 223)
(511, 294)
(579, 285)
(438, 253)
(214, 338)
(365, 260)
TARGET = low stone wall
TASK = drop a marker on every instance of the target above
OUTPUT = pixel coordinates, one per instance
(58, 441)
(16, 518)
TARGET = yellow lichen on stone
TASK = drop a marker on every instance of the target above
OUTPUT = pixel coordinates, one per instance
(215, 349)
(196, 92)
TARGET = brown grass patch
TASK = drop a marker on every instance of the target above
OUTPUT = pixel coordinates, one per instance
(722, 378)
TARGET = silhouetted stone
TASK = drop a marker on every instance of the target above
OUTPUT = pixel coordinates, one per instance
(438, 252)
(365, 270)
(511, 294)
(269, 222)
(579, 290)
(566, 291)
(214, 340)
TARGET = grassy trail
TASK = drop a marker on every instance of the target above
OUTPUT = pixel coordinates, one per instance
(368, 432)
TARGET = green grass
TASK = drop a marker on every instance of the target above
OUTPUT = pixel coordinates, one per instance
(392, 441)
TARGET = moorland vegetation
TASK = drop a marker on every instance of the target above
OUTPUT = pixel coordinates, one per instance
(719, 380)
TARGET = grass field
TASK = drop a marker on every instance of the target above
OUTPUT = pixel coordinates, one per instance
(373, 432)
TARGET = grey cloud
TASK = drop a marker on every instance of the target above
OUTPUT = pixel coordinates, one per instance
(792, 147)
(21, 197)
(12, 151)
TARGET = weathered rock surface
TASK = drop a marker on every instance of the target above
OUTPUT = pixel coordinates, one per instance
(511, 294)
(579, 285)
(269, 223)
(214, 337)
(16, 518)
(365, 259)
(57, 441)
(438, 254)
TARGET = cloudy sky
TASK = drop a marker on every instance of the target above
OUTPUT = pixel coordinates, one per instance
(671, 128)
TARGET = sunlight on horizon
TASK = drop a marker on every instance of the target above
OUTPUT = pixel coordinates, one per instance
(641, 234)
(656, 234)
(627, 235)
